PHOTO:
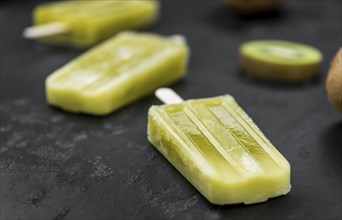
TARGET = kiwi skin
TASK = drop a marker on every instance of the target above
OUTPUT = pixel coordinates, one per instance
(251, 7)
(334, 82)
(268, 71)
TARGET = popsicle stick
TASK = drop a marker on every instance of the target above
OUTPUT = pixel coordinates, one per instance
(45, 30)
(168, 96)
(178, 38)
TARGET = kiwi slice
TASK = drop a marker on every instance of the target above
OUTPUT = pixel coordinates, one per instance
(334, 82)
(282, 61)
(250, 7)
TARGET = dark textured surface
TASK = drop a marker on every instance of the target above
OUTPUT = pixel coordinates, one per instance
(56, 165)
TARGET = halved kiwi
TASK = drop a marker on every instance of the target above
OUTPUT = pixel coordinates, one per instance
(334, 82)
(249, 7)
(282, 61)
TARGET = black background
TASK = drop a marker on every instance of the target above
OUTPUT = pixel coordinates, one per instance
(56, 165)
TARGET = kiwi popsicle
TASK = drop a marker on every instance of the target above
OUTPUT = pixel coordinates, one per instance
(215, 145)
(82, 24)
(117, 72)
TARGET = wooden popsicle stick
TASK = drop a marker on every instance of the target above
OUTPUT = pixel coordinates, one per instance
(168, 96)
(45, 30)
(178, 38)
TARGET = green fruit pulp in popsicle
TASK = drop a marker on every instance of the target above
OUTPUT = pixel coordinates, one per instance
(219, 149)
(90, 22)
(117, 72)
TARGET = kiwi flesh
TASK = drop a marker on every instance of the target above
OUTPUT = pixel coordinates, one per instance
(334, 82)
(282, 61)
(251, 7)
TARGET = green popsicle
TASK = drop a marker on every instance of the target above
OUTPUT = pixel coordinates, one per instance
(117, 72)
(84, 23)
(219, 150)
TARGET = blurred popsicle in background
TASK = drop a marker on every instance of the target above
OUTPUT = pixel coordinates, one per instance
(81, 24)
